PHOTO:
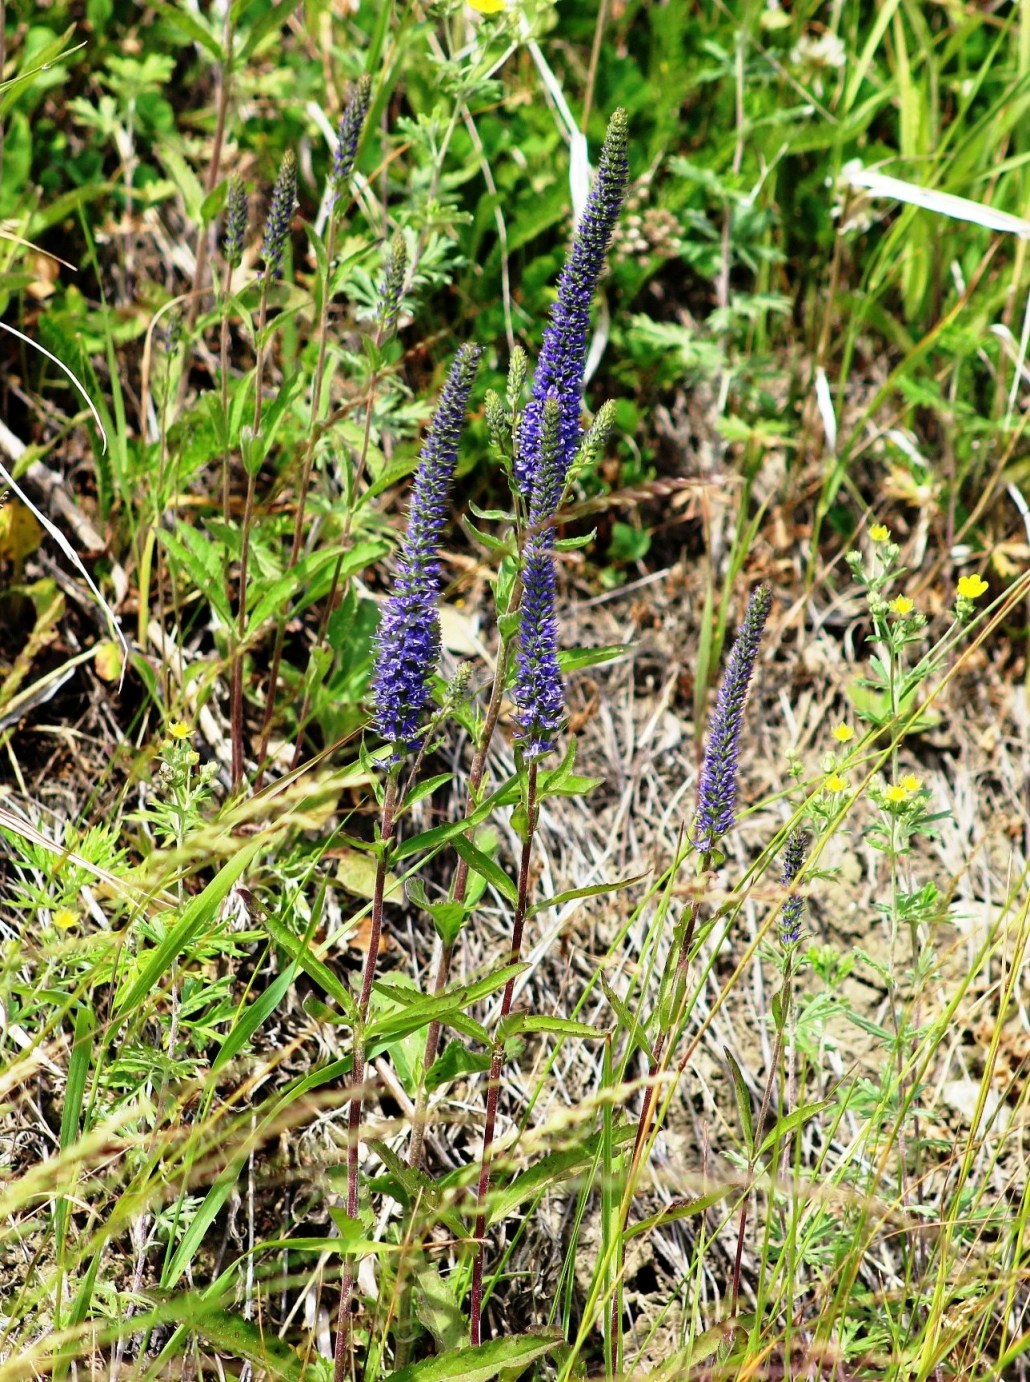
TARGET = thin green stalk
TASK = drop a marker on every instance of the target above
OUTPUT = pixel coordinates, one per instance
(236, 689)
(344, 1334)
(307, 465)
(497, 1061)
(458, 891)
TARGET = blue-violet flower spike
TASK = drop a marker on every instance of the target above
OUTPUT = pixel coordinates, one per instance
(793, 908)
(348, 136)
(717, 786)
(564, 349)
(280, 216)
(408, 642)
(538, 694)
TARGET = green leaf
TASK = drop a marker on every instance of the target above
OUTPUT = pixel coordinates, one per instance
(516, 1023)
(591, 890)
(440, 835)
(273, 19)
(199, 912)
(629, 1022)
(457, 1060)
(420, 1009)
(240, 1339)
(437, 1308)
(257, 1013)
(743, 1096)
(484, 1361)
(487, 868)
(572, 659)
(195, 32)
(301, 953)
(795, 1119)
(550, 1171)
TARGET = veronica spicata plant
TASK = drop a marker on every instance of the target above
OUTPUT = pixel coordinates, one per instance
(406, 653)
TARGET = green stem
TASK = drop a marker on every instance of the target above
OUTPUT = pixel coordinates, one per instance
(344, 1365)
(497, 1062)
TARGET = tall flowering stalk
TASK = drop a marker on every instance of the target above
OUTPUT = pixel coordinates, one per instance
(540, 710)
(716, 811)
(559, 370)
(717, 786)
(273, 246)
(405, 658)
(352, 124)
(789, 933)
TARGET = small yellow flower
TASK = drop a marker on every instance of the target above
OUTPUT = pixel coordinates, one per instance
(879, 532)
(65, 918)
(896, 793)
(971, 587)
(835, 783)
(911, 783)
(843, 733)
(902, 606)
(179, 729)
(487, 6)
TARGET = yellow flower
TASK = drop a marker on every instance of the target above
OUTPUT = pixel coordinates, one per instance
(971, 587)
(902, 605)
(487, 6)
(179, 729)
(835, 783)
(911, 783)
(879, 532)
(843, 733)
(896, 793)
(65, 918)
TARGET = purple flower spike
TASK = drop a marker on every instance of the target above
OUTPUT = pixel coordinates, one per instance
(564, 350)
(280, 216)
(717, 787)
(793, 908)
(235, 221)
(348, 136)
(408, 641)
(538, 694)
